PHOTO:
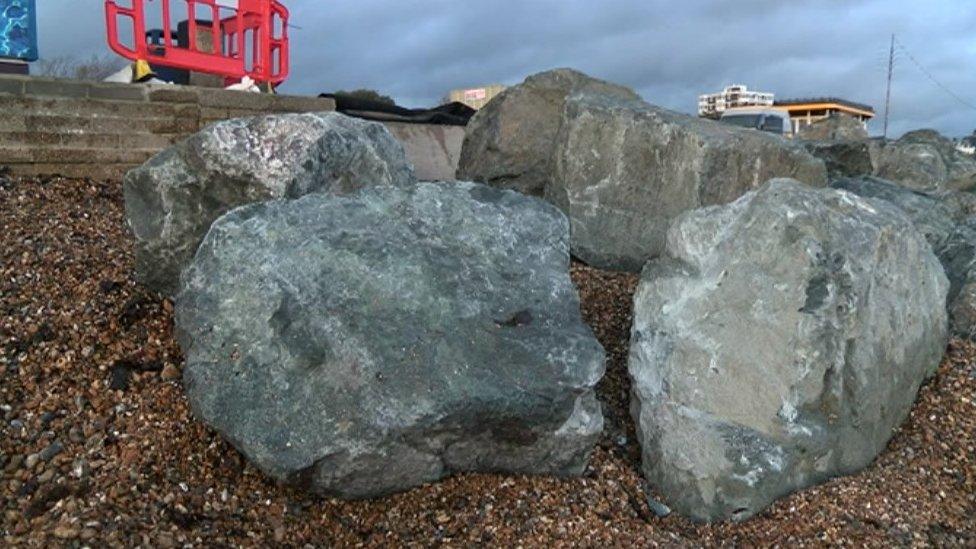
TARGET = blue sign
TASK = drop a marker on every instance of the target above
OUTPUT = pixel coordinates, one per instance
(18, 29)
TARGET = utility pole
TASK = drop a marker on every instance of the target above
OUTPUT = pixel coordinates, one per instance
(891, 68)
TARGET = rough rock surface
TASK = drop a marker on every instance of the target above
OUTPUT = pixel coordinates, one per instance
(625, 169)
(357, 346)
(947, 221)
(958, 256)
(962, 310)
(925, 160)
(172, 199)
(509, 143)
(838, 127)
(843, 158)
(779, 343)
(931, 214)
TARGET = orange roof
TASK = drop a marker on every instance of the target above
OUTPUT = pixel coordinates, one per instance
(828, 105)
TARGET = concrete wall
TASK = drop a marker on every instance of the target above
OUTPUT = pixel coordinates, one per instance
(434, 150)
(101, 130)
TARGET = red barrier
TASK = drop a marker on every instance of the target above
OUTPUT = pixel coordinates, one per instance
(251, 41)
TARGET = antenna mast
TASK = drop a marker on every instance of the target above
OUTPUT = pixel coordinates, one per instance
(891, 68)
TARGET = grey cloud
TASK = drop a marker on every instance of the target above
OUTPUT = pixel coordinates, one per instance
(669, 51)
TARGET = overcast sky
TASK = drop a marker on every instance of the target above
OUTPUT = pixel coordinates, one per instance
(669, 51)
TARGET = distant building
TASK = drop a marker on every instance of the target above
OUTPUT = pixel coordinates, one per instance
(476, 98)
(807, 111)
(967, 144)
(712, 105)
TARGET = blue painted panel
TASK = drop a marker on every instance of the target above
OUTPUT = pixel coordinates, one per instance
(18, 29)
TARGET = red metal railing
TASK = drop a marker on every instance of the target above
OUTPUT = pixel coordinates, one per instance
(253, 41)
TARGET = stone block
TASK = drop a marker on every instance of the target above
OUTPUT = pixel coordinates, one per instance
(296, 103)
(12, 86)
(235, 99)
(172, 94)
(57, 88)
(117, 92)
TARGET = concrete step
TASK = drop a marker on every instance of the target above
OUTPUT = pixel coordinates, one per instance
(74, 123)
(85, 139)
(113, 172)
(72, 106)
(42, 154)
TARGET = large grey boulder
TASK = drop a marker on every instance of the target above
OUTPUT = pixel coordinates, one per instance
(172, 199)
(924, 160)
(510, 142)
(958, 257)
(779, 343)
(931, 214)
(843, 158)
(962, 311)
(836, 127)
(947, 221)
(624, 169)
(357, 346)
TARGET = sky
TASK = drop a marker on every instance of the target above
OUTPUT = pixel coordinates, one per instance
(669, 51)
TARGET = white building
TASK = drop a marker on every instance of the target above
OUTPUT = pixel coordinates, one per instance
(476, 98)
(712, 105)
(967, 144)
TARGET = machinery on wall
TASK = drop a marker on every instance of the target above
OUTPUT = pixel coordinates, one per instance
(234, 39)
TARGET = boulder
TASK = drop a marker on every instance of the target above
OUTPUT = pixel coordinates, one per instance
(932, 215)
(779, 343)
(509, 143)
(843, 158)
(947, 221)
(962, 311)
(357, 346)
(837, 127)
(172, 199)
(958, 257)
(624, 169)
(961, 203)
(925, 160)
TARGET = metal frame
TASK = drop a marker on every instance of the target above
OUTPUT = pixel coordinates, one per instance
(230, 57)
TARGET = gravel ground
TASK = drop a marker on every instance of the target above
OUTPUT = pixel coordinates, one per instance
(97, 445)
